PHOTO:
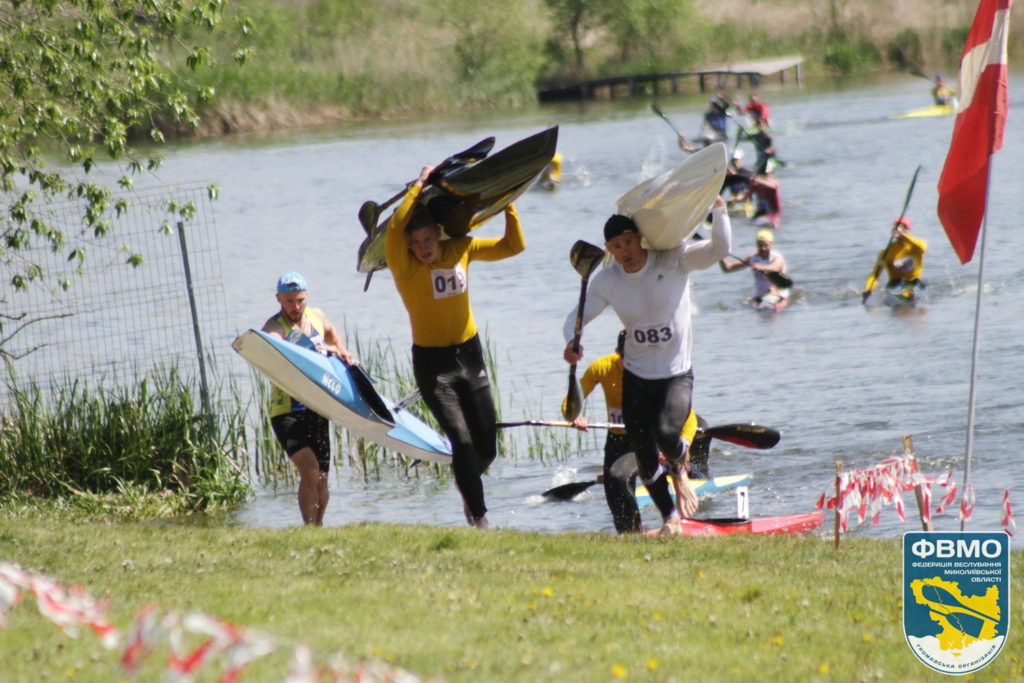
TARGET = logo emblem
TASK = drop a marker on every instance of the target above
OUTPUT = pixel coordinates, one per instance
(956, 602)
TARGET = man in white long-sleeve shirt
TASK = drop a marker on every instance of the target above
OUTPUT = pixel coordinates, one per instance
(649, 291)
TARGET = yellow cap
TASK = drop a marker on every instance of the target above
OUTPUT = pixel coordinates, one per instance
(766, 235)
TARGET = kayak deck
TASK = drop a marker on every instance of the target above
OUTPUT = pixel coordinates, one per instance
(701, 487)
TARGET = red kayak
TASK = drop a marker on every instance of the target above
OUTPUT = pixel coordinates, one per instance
(786, 524)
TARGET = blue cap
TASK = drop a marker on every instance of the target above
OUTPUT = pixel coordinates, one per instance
(291, 282)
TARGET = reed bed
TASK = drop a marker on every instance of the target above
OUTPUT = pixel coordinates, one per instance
(146, 446)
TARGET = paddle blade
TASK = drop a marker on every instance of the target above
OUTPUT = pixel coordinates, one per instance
(780, 280)
(568, 491)
(572, 406)
(368, 214)
(584, 257)
(743, 434)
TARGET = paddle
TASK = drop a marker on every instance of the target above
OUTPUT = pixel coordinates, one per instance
(584, 258)
(750, 435)
(869, 286)
(780, 280)
(918, 72)
(657, 110)
(757, 144)
(370, 211)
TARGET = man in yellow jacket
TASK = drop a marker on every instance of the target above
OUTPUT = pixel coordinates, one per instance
(432, 277)
(902, 258)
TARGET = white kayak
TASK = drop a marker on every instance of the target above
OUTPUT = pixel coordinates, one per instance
(670, 207)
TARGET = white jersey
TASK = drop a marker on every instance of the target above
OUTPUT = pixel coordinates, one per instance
(654, 302)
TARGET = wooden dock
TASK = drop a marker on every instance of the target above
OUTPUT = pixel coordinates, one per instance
(718, 76)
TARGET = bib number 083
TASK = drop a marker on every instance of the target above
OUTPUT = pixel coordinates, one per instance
(652, 335)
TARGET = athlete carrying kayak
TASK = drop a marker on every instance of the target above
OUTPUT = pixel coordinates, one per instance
(649, 291)
(432, 277)
(304, 435)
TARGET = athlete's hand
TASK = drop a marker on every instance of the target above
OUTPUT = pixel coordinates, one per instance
(424, 174)
(581, 424)
(570, 355)
(719, 202)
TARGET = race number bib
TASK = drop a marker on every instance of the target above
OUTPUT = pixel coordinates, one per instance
(448, 281)
(614, 416)
(650, 335)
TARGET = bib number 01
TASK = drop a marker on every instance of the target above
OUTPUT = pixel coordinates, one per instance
(448, 281)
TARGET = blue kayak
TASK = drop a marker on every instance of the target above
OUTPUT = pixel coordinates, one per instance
(343, 394)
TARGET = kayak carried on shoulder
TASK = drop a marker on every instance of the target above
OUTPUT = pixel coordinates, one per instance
(466, 190)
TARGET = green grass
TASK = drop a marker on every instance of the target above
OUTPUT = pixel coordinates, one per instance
(466, 605)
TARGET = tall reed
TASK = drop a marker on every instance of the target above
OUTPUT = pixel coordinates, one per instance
(73, 439)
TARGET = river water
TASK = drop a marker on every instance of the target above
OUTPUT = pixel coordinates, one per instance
(841, 381)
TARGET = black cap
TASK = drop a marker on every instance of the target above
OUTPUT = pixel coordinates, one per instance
(618, 225)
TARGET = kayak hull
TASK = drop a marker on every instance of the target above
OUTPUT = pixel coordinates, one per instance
(342, 394)
(927, 112)
(700, 486)
(768, 526)
(904, 296)
(465, 195)
(669, 208)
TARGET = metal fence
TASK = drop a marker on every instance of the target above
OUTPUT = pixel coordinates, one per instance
(148, 295)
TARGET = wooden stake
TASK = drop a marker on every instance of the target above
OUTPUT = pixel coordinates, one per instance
(839, 472)
(908, 452)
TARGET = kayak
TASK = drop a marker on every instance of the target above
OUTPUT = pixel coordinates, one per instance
(466, 193)
(771, 302)
(906, 294)
(342, 394)
(924, 112)
(669, 208)
(700, 486)
(784, 524)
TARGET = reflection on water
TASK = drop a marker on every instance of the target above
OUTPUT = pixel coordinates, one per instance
(841, 380)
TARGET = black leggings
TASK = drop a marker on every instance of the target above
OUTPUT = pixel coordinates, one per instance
(654, 411)
(454, 383)
(620, 482)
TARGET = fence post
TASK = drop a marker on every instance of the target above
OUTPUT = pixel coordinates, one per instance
(204, 388)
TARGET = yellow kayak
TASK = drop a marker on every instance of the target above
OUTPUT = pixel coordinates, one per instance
(934, 110)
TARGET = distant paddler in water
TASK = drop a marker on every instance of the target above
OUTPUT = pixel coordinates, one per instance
(304, 435)
(432, 277)
(771, 285)
(649, 290)
(551, 176)
(903, 260)
(942, 94)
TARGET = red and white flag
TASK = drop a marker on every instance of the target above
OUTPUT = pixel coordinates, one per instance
(978, 130)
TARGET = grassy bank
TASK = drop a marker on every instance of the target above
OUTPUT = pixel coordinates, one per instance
(330, 61)
(492, 606)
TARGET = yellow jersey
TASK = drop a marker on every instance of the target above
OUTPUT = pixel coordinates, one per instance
(436, 295)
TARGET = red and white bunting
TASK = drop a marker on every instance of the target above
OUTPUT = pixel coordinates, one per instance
(1008, 522)
(868, 491)
(967, 503)
(219, 641)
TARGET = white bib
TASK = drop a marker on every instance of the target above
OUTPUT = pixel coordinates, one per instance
(448, 282)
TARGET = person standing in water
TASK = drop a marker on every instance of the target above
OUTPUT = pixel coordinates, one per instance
(304, 435)
(649, 291)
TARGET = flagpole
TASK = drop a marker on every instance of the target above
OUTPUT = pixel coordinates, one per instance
(969, 449)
